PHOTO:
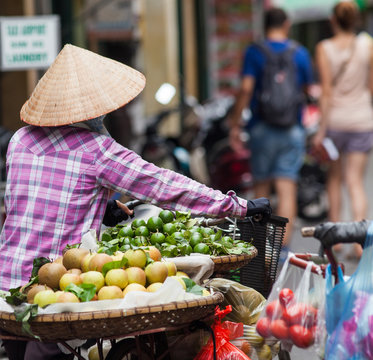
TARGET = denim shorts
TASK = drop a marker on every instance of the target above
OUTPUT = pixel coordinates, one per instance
(276, 152)
(347, 141)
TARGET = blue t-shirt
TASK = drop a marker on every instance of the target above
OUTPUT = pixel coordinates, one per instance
(254, 62)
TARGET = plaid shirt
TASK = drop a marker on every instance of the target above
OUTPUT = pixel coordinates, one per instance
(59, 180)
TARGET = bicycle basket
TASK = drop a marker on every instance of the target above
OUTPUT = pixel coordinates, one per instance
(260, 273)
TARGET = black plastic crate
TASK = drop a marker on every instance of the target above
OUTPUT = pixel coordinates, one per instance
(261, 272)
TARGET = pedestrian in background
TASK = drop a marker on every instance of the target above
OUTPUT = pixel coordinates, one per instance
(275, 74)
(344, 64)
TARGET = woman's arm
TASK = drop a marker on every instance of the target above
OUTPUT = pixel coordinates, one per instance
(371, 69)
(325, 76)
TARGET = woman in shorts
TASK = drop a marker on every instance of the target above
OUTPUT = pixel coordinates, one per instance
(345, 63)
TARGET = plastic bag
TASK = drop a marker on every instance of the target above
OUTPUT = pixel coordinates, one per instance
(349, 310)
(291, 314)
(247, 303)
(255, 346)
(224, 349)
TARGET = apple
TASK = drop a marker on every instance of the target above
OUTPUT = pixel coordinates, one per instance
(67, 296)
(181, 274)
(69, 278)
(133, 287)
(154, 287)
(98, 261)
(117, 277)
(180, 280)
(33, 290)
(72, 258)
(84, 265)
(205, 292)
(154, 253)
(58, 260)
(171, 266)
(118, 256)
(136, 257)
(156, 271)
(45, 297)
(74, 271)
(110, 292)
(136, 275)
(93, 277)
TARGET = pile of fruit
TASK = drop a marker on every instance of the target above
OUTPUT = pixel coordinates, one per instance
(173, 235)
(289, 320)
(80, 275)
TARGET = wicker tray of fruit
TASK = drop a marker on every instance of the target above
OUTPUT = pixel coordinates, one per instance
(178, 234)
(112, 323)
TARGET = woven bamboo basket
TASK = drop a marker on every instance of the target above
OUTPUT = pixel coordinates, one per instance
(232, 262)
(113, 323)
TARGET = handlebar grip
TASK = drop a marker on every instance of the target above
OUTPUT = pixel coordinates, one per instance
(132, 204)
(308, 231)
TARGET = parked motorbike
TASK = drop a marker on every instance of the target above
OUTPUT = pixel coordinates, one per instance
(202, 151)
(312, 199)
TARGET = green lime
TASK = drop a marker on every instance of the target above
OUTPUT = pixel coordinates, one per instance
(169, 228)
(195, 239)
(206, 231)
(157, 238)
(126, 231)
(142, 231)
(180, 226)
(227, 239)
(214, 237)
(137, 223)
(195, 229)
(178, 236)
(188, 250)
(201, 248)
(155, 223)
(166, 216)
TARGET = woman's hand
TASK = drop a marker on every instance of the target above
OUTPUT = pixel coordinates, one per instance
(115, 213)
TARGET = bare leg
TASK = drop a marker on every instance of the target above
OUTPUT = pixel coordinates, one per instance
(334, 190)
(355, 170)
(262, 189)
(286, 191)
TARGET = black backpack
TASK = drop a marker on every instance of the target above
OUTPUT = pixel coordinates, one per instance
(279, 97)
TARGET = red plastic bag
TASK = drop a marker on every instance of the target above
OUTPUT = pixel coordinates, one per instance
(224, 349)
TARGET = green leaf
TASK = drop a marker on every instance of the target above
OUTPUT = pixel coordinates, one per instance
(190, 223)
(25, 314)
(85, 292)
(235, 251)
(118, 264)
(105, 237)
(16, 297)
(192, 287)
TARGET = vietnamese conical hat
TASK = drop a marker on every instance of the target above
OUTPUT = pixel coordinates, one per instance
(78, 86)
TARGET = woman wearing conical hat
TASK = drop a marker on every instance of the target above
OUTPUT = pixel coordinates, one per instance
(63, 166)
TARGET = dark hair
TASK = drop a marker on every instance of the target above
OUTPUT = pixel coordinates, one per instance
(274, 18)
(346, 15)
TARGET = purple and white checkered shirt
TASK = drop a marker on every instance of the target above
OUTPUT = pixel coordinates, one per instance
(58, 185)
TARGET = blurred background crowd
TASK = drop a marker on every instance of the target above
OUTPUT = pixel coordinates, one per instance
(191, 52)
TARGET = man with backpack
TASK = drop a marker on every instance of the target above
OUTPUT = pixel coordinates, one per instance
(275, 75)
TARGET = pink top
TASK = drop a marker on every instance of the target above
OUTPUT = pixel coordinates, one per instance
(58, 184)
(350, 105)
